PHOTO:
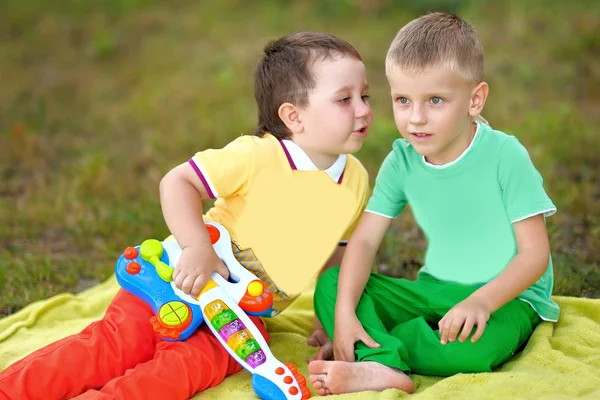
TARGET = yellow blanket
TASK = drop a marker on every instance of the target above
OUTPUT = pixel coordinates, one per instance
(561, 361)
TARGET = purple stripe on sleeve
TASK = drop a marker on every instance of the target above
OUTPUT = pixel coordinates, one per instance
(202, 178)
(287, 154)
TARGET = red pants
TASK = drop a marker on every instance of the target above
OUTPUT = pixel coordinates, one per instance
(120, 357)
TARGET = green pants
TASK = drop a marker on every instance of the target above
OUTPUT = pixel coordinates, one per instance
(402, 316)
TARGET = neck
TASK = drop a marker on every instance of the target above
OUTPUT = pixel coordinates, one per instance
(321, 160)
(466, 140)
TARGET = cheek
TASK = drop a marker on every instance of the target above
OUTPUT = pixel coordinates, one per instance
(400, 117)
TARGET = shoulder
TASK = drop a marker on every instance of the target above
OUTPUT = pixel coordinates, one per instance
(501, 144)
(265, 149)
(355, 170)
(255, 143)
(400, 159)
(403, 156)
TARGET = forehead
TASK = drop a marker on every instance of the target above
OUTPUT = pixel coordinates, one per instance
(426, 80)
(339, 70)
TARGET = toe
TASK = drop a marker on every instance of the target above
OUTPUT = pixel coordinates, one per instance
(318, 367)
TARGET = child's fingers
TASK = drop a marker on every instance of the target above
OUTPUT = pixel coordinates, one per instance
(450, 328)
(199, 284)
(341, 353)
(178, 277)
(187, 282)
(481, 322)
(369, 341)
(223, 270)
(466, 330)
(325, 352)
(455, 328)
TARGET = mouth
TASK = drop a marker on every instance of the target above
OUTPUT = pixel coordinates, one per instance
(362, 132)
(420, 136)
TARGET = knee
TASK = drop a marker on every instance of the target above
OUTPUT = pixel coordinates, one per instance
(327, 284)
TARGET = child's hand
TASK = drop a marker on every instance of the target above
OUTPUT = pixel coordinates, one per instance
(349, 330)
(325, 352)
(318, 338)
(465, 315)
(194, 268)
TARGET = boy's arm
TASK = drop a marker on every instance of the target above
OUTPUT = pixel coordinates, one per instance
(355, 259)
(358, 258)
(181, 194)
(319, 336)
(524, 270)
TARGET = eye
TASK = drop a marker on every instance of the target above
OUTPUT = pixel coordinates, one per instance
(365, 97)
(402, 100)
(344, 100)
(436, 100)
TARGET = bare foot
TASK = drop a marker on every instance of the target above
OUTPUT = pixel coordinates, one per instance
(336, 377)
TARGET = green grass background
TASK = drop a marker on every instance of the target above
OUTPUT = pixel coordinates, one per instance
(98, 99)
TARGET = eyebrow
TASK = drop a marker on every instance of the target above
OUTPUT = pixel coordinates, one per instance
(433, 94)
(349, 88)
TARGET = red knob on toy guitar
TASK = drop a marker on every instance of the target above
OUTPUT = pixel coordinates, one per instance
(130, 253)
(214, 234)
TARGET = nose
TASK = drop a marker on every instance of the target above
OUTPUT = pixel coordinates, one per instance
(418, 115)
(362, 109)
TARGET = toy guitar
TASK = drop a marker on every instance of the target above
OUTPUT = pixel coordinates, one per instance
(146, 272)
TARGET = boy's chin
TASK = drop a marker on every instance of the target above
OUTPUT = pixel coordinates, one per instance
(353, 148)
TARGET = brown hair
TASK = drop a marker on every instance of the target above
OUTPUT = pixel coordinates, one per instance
(284, 74)
(438, 39)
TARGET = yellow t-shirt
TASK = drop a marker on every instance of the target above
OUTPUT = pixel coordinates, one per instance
(285, 216)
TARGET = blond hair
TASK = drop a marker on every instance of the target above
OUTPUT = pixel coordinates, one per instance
(438, 39)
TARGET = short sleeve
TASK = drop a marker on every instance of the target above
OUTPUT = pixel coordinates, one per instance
(388, 197)
(523, 193)
(225, 172)
(364, 189)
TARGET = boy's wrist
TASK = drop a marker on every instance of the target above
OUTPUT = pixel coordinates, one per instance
(486, 299)
(345, 307)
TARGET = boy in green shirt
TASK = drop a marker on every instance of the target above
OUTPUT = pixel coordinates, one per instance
(487, 279)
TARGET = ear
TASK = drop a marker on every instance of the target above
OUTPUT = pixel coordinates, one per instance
(478, 97)
(290, 117)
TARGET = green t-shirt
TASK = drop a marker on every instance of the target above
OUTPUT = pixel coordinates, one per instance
(466, 209)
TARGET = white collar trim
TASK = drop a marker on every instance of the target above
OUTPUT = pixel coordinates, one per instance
(451, 163)
(302, 162)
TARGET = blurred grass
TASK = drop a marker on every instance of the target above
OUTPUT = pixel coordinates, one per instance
(98, 99)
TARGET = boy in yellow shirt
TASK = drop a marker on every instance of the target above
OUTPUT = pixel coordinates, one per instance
(290, 196)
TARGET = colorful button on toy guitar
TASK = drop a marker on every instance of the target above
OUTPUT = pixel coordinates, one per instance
(130, 253)
(279, 371)
(214, 234)
(237, 339)
(214, 308)
(223, 318)
(293, 390)
(247, 348)
(288, 380)
(133, 268)
(255, 359)
(174, 313)
(255, 288)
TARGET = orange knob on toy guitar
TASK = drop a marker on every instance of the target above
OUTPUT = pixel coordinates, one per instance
(214, 233)
(130, 253)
